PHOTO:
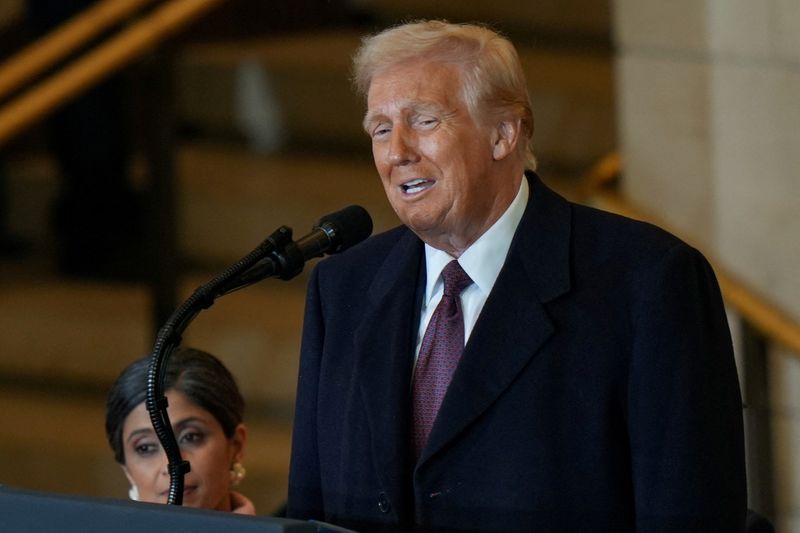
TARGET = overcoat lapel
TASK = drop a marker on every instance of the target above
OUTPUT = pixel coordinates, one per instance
(384, 359)
(514, 323)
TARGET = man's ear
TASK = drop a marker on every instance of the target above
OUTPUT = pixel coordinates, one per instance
(506, 136)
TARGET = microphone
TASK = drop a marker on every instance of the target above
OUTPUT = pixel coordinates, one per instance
(334, 233)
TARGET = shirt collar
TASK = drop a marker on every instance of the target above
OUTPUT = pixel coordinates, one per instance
(483, 260)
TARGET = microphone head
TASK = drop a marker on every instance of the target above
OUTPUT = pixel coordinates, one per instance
(346, 227)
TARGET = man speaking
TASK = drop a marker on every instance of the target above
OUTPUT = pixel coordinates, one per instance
(505, 360)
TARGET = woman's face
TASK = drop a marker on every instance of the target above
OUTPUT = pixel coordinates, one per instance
(202, 442)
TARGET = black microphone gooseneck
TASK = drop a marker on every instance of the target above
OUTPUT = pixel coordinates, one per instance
(277, 256)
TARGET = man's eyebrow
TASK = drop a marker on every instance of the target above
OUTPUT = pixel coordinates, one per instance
(369, 119)
(415, 107)
(428, 107)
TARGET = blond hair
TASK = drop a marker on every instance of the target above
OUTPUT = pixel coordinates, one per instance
(494, 84)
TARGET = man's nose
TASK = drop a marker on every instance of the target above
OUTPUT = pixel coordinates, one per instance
(401, 147)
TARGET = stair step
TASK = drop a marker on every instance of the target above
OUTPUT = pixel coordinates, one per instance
(229, 199)
(69, 334)
(232, 199)
(295, 91)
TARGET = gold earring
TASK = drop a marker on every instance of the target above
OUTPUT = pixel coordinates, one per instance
(237, 473)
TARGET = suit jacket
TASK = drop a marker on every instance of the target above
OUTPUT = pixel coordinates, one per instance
(597, 391)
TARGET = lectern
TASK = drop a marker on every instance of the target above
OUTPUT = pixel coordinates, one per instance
(24, 511)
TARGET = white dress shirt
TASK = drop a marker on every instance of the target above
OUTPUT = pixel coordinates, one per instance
(482, 262)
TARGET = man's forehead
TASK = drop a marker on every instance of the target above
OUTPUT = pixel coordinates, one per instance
(416, 81)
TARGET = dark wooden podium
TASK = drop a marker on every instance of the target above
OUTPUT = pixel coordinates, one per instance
(24, 511)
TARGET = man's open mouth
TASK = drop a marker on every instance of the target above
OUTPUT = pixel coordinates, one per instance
(416, 185)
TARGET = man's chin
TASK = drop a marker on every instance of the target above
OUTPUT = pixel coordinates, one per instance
(419, 216)
(420, 225)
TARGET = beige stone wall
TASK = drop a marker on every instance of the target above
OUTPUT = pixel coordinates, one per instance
(709, 120)
(709, 108)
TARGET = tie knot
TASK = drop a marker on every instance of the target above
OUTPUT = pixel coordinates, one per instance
(455, 279)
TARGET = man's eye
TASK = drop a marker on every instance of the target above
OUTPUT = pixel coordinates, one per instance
(381, 131)
(426, 122)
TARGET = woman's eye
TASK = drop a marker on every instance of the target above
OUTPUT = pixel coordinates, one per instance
(192, 437)
(145, 448)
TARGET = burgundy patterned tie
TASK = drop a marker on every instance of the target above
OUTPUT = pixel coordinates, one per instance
(439, 354)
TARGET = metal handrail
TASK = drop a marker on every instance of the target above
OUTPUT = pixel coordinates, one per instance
(766, 317)
(58, 44)
(99, 63)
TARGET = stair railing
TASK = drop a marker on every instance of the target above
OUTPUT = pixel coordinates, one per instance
(56, 45)
(97, 64)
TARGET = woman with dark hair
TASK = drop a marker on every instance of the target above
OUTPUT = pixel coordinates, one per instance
(205, 409)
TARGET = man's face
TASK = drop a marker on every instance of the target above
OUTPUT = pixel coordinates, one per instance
(434, 158)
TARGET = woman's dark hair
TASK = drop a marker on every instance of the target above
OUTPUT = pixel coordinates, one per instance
(199, 375)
